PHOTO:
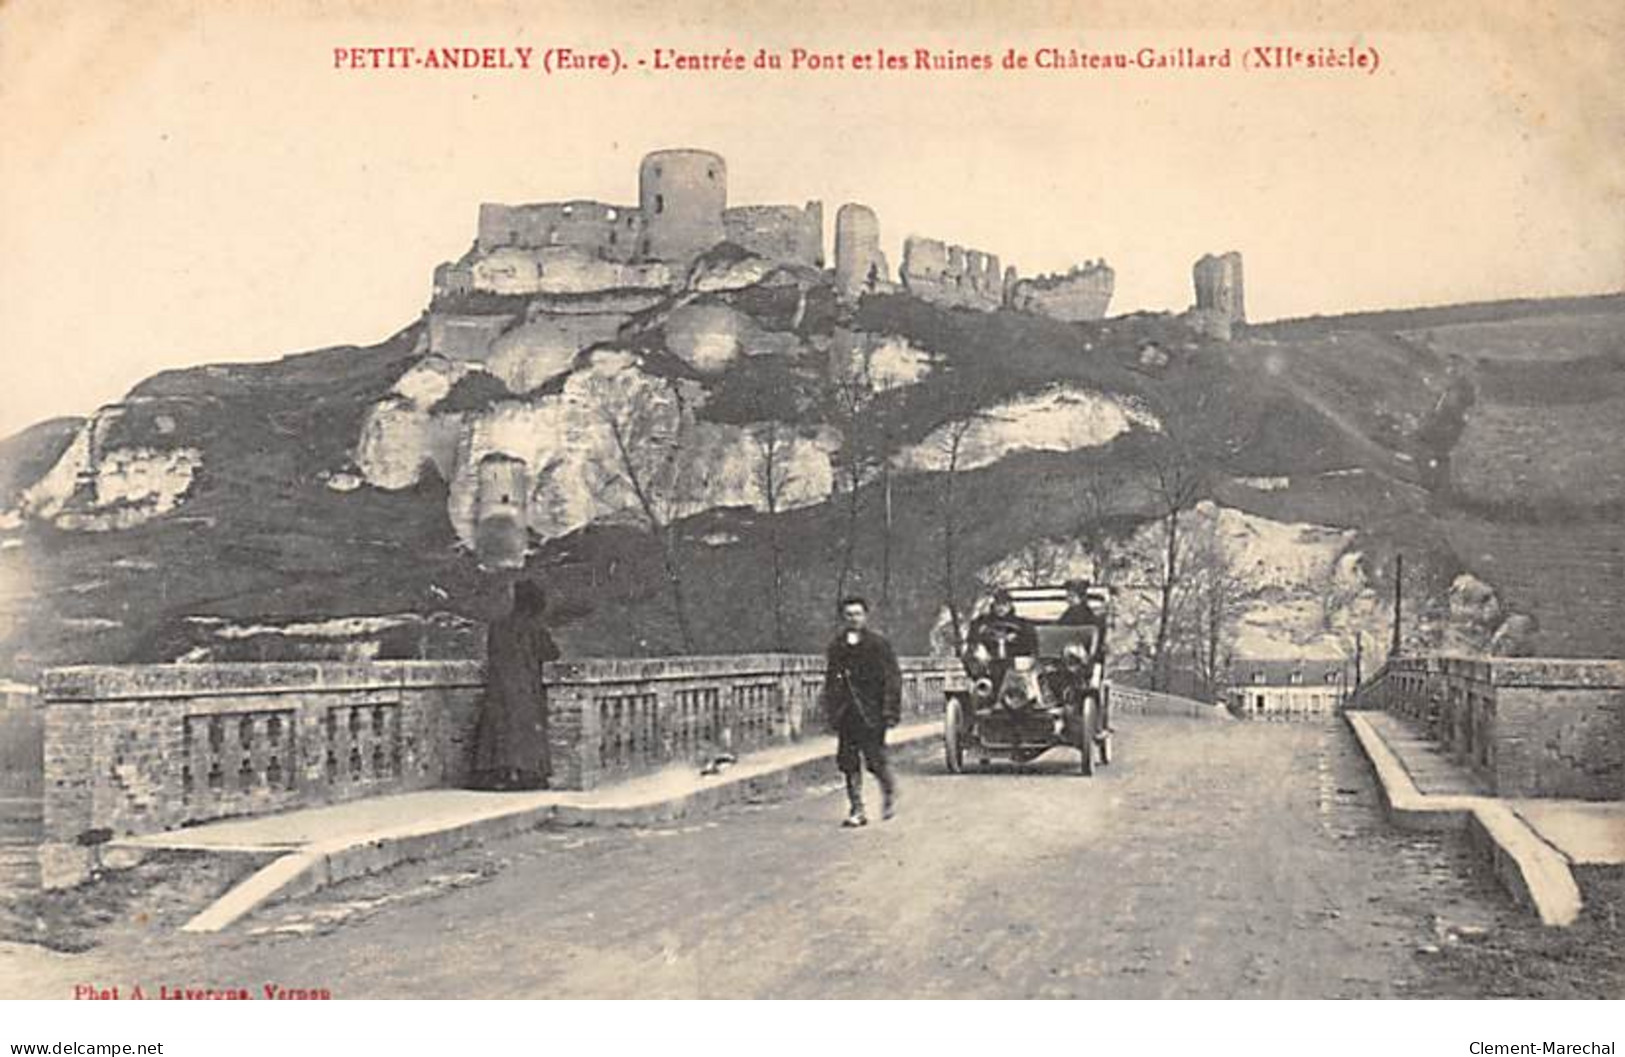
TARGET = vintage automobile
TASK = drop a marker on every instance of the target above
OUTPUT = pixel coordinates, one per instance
(1022, 702)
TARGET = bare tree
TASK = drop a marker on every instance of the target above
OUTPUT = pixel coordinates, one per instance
(1337, 599)
(774, 476)
(850, 396)
(650, 428)
(883, 459)
(951, 447)
(1098, 496)
(1214, 594)
(1041, 561)
(1176, 482)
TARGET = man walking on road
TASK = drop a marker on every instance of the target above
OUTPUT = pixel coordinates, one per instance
(863, 697)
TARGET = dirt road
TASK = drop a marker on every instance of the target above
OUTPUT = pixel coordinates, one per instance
(1211, 860)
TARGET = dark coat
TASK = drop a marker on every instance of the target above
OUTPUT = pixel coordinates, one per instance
(510, 743)
(865, 677)
(1078, 615)
(1022, 641)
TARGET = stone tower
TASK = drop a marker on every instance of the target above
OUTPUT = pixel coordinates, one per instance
(1219, 286)
(857, 250)
(682, 195)
(501, 501)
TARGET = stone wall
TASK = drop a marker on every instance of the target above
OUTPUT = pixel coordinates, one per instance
(612, 232)
(1080, 295)
(788, 234)
(952, 275)
(1531, 727)
(140, 749)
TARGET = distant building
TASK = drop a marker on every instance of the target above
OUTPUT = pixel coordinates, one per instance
(1273, 687)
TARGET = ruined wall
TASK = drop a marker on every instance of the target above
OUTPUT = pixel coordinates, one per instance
(1080, 295)
(791, 234)
(952, 275)
(859, 263)
(610, 232)
(1219, 286)
(562, 270)
(682, 195)
(453, 277)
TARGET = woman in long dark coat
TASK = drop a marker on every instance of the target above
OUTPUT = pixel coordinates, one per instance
(510, 743)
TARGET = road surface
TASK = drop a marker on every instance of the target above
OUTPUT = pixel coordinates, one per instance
(1210, 860)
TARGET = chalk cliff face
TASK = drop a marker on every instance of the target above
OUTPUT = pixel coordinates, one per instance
(545, 347)
(878, 363)
(1305, 588)
(1065, 418)
(574, 468)
(93, 490)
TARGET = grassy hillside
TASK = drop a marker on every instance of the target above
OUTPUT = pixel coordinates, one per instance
(25, 456)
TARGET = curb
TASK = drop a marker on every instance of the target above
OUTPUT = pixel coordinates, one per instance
(1537, 875)
(304, 871)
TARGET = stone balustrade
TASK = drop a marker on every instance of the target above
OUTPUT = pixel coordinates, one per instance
(1530, 727)
(139, 749)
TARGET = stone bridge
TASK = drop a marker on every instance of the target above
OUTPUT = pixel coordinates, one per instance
(124, 751)
(1209, 859)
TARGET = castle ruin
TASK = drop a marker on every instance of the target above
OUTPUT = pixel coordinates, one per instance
(952, 275)
(501, 500)
(860, 264)
(1220, 295)
(581, 247)
(1077, 296)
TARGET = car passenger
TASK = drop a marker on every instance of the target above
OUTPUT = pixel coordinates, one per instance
(1078, 613)
(1001, 635)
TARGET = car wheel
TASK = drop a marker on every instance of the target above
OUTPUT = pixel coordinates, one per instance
(953, 736)
(1087, 718)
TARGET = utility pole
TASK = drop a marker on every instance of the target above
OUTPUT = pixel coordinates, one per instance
(1359, 654)
(1399, 583)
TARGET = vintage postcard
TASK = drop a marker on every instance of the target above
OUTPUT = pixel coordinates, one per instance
(812, 500)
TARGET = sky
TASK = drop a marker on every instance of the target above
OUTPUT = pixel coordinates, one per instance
(183, 183)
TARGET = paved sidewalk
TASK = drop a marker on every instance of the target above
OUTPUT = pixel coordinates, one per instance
(323, 845)
(1533, 845)
(1433, 770)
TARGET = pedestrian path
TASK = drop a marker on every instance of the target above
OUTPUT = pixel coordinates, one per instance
(1534, 844)
(314, 847)
(1433, 769)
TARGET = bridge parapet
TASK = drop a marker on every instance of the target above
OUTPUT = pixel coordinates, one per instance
(614, 719)
(1153, 703)
(1529, 726)
(144, 748)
